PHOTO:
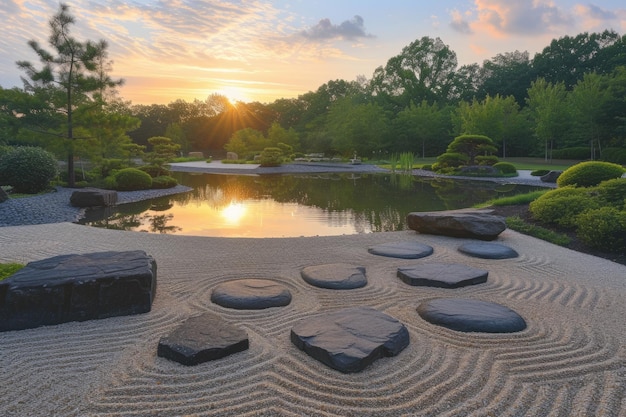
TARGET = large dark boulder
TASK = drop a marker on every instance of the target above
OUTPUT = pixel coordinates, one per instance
(349, 340)
(93, 197)
(77, 288)
(467, 224)
(201, 339)
(551, 176)
(467, 315)
(251, 294)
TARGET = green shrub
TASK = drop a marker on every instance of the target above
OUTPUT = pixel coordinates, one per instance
(579, 152)
(271, 157)
(590, 173)
(450, 160)
(427, 167)
(6, 270)
(28, 170)
(490, 160)
(164, 181)
(562, 206)
(612, 193)
(539, 172)
(603, 228)
(132, 179)
(107, 166)
(615, 155)
(155, 170)
(79, 175)
(518, 224)
(506, 167)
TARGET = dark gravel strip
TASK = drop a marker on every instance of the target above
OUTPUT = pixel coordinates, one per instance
(55, 207)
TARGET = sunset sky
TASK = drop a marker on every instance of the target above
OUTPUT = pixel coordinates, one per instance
(263, 50)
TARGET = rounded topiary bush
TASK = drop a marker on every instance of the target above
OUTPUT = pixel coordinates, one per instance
(28, 169)
(155, 170)
(590, 173)
(603, 228)
(562, 206)
(271, 157)
(506, 168)
(164, 181)
(613, 193)
(491, 160)
(132, 179)
(539, 172)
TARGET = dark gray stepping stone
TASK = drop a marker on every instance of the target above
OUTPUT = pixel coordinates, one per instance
(467, 315)
(339, 276)
(251, 294)
(349, 340)
(77, 288)
(202, 339)
(404, 250)
(442, 275)
(488, 250)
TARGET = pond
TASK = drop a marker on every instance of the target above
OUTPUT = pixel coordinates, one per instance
(295, 205)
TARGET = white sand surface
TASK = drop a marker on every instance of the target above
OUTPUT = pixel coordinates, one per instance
(570, 361)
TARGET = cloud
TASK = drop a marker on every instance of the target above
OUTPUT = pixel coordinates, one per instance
(459, 24)
(521, 17)
(347, 30)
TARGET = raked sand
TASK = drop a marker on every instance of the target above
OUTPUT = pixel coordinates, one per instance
(570, 361)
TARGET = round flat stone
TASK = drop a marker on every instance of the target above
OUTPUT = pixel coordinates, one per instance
(338, 276)
(404, 250)
(442, 275)
(466, 315)
(251, 294)
(488, 250)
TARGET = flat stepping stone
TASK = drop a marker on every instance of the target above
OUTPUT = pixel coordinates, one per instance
(338, 276)
(442, 275)
(201, 339)
(466, 315)
(404, 250)
(77, 288)
(251, 294)
(349, 340)
(488, 250)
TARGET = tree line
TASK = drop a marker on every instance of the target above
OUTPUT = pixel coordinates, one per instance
(571, 95)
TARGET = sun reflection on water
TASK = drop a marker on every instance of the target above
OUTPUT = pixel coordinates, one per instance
(234, 212)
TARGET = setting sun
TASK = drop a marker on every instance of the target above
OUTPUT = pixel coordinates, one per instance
(234, 95)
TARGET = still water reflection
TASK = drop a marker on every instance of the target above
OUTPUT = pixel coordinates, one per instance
(295, 205)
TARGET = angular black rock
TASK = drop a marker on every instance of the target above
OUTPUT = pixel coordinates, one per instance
(551, 176)
(93, 197)
(404, 250)
(466, 315)
(201, 339)
(442, 275)
(77, 288)
(470, 224)
(338, 276)
(488, 250)
(251, 294)
(351, 339)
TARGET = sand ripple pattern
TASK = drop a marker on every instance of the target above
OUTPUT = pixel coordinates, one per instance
(569, 361)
